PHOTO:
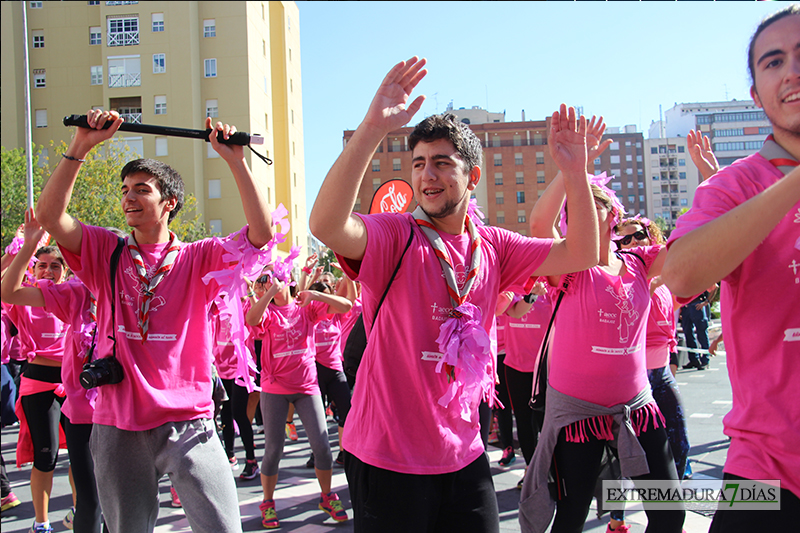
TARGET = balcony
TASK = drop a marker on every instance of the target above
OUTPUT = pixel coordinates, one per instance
(132, 118)
(129, 79)
(123, 38)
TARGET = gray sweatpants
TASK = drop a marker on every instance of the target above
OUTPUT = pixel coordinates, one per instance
(129, 464)
(274, 408)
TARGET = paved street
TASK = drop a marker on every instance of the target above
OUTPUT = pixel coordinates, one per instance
(706, 396)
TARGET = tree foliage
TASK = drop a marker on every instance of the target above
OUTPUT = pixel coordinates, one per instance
(96, 196)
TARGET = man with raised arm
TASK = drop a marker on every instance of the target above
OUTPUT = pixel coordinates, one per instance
(158, 419)
(745, 225)
(415, 458)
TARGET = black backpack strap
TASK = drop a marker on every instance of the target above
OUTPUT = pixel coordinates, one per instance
(391, 280)
(113, 274)
(637, 256)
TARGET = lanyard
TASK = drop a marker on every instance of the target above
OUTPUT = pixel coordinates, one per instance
(149, 286)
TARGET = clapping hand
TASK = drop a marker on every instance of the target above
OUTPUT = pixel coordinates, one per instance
(567, 140)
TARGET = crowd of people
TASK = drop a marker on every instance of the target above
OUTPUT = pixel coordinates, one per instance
(137, 345)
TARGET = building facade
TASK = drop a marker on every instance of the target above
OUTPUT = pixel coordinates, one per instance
(672, 178)
(169, 64)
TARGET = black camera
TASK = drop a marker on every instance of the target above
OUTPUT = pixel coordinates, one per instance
(105, 371)
(263, 279)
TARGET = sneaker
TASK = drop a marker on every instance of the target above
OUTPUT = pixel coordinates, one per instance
(176, 502)
(269, 517)
(42, 528)
(340, 458)
(310, 462)
(69, 519)
(328, 411)
(508, 457)
(10, 501)
(234, 462)
(687, 474)
(251, 470)
(621, 529)
(291, 431)
(330, 504)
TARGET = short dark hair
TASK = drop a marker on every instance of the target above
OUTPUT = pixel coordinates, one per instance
(52, 250)
(793, 9)
(169, 181)
(447, 126)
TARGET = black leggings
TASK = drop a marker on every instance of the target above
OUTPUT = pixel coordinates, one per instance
(520, 390)
(577, 465)
(739, 521)
(236, 409)
(333, 385)
(88, 516)
(43, 415)
(505, 421)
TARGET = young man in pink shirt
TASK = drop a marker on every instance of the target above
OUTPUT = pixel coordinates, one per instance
(744, 222)
(412, 435)
(157, 419)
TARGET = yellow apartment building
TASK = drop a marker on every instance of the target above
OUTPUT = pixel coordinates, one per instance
(170, 64)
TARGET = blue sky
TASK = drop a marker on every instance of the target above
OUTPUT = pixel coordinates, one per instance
(616, 59)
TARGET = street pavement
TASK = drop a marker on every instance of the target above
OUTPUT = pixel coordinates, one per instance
(706, 397)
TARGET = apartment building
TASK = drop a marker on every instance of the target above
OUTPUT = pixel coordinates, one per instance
(169, 64)
(672, 178)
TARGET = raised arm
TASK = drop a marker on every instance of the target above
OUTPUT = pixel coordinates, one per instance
(255, 314)
(254, 202)
(12, 291)
(336, 304)
(55, 197)
(580, 249)
(702, 156)
(727, 240)
(331, 219)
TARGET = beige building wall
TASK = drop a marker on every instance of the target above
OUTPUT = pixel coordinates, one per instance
(254, 46)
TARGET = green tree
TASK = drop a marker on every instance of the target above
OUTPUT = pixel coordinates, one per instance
(662, 225)
(327, 257)
(15, 189)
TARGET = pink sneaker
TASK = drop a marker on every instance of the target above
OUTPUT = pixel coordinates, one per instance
(621, 529)
(176, 502)
(10, 501)
(269, 517)
(330, 504)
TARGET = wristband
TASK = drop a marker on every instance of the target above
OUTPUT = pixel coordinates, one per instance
(65, 156)
(529, 298)
(306, 270)
(251, 294)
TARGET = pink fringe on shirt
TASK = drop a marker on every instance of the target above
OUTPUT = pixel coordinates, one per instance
(600, 426)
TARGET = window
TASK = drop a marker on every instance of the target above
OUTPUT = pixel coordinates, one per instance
(682, 175)
(210, 28)
(210, 68)
(161, 147)
(123, 31)
(517, 159)
(540, 176)
(681, 149)
(158, 22)
(211, 153)
(161, 105)
(94, 3)
(499, 199)
(498, 160)
(376, 182)
(616, 186)
(498, 178)
(681, 162)
(615, 159)
(520, 197)
(41, 118)
(683, 187)
(96, 75)
(214, 189)
(638, 159)
(627, 143)
(357, 207)
(159, 63)
(376, 165)
(501, 217)
(396, 166)
(631, 198)
(291, 112)
(630, 185)
(215, 226)
(35, 5)
(629, 171)
(596, 161)
(520, 178)
(654, 149)
(684, 202)
(614, 146)
(641, 185)
(628, 158)
(39, 81)
(124, 71)
(521, 218)
(38, 38)
(517, 141)
(212, 109)
(539, 158)
(94, 35)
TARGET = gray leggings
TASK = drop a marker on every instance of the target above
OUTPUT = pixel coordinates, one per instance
(274, 408)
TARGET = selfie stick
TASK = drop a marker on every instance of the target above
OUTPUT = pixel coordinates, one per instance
(239, 138)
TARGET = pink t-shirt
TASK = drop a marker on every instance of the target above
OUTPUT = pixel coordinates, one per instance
(598, 346)
(524, 335)
(287, 348)
(758, 304)
(396, 422)
(349, 319)
(71, 303)
(223, 349)
(168, 377)
(660, 333)
(41, 334)
(501, 322)
(328, 342)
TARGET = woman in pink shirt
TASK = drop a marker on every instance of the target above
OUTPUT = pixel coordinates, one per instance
(43, 339)
(288, 375)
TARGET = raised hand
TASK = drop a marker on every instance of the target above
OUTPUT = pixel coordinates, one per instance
(388, 110)
(228, 152)
(311, 260)
(594, 132)
(702, 156)
(305, 297)
(33, 232)
(567, 140)
(87, 138)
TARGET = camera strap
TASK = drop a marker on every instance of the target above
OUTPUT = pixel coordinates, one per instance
(113, 273)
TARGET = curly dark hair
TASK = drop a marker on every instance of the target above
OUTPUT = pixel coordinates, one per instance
(169, 181)
(447, 126)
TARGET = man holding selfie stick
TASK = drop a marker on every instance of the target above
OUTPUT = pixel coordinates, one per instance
(158, 419)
